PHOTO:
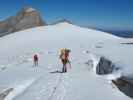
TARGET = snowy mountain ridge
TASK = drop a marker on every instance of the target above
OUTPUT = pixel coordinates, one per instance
(91, 52)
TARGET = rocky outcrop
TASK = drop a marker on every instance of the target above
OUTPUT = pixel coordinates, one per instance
(26, 18)
(5, 93)
(104, 66)
(125, 85)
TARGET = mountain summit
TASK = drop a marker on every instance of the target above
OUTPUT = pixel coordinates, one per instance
(27, 17)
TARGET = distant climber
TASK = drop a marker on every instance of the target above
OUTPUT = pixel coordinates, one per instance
(64, 56)
(35, 59)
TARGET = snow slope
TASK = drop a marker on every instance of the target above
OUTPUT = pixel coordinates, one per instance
(43, 82)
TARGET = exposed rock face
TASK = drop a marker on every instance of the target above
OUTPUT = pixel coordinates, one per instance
(26, 18)
(104, 66)
(125, 84)
(5, 93)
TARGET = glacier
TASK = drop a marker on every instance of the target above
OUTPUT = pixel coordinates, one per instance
(98, 60)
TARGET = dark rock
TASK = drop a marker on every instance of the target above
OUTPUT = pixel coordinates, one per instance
(104, 66)
(125, 85)
(5, 93)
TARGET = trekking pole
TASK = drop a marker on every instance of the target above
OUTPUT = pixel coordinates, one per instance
(69, 64)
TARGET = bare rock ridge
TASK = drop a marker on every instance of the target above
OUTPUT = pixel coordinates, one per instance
(26, 18)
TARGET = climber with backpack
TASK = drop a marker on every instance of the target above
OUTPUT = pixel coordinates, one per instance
(64, 56)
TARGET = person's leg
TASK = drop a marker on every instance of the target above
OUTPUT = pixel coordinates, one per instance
(36, 63)
(66, 61)
(69, 63)
(65, 67)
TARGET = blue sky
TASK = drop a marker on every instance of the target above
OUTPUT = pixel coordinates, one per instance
(111, 14)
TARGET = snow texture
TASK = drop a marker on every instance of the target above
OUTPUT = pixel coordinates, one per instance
(45, 82)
